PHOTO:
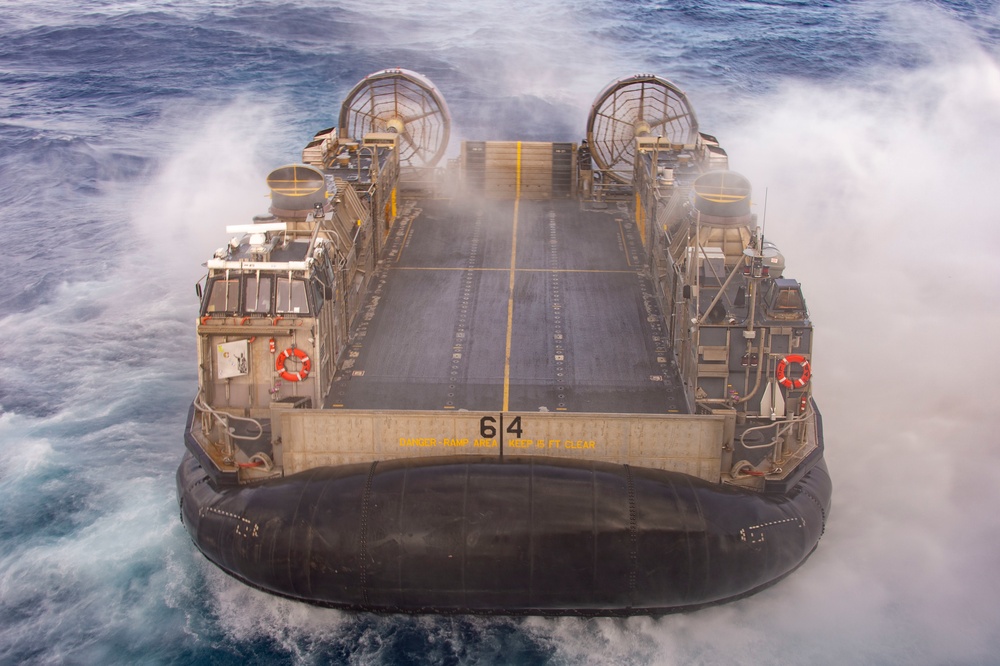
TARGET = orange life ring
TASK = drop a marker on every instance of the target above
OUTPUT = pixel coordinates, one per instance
(787, 381)
(293, 376)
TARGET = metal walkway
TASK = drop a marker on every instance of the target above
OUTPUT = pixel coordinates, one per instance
(511, 305)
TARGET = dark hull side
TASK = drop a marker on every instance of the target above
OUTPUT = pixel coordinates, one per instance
(541, 536)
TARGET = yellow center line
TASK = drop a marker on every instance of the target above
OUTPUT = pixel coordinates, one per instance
(510, 295)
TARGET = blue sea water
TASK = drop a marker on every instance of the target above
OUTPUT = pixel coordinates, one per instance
(131, 133)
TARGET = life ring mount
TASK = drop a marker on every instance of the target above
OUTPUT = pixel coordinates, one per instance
(279, 364)
(786, 380)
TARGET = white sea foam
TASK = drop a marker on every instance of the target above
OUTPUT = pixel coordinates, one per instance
(881, 192)
(212, 174)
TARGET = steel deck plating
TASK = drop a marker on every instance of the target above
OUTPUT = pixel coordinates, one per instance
(512, 306)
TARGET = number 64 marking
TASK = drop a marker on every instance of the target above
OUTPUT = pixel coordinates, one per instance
(488, 427)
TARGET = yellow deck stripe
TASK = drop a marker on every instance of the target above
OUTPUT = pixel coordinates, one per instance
(510, 295)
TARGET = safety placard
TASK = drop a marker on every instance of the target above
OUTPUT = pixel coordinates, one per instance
(232, 359)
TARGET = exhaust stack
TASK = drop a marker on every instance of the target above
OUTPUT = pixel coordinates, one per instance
(722, 198)
(296, 190)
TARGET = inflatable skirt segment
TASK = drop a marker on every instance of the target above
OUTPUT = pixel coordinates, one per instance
(540, 536)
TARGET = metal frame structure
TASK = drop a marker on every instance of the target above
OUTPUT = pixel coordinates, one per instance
(639, 105)
(404, 103)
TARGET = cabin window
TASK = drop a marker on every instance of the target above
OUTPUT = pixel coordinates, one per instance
(258, 295)
(223, 296)
(291, 297)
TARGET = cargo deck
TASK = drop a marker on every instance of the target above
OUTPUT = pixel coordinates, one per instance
(511, 306)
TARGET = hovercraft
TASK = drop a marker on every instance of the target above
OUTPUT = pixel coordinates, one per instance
(542, 378)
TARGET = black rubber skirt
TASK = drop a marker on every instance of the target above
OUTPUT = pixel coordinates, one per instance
(541, 536)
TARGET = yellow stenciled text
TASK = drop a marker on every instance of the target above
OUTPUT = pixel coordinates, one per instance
(418, 441)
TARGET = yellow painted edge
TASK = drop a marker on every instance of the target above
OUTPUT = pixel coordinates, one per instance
(722, 198)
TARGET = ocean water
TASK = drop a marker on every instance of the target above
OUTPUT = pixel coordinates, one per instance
(131, 133)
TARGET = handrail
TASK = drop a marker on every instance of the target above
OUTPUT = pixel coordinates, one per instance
(223, 419)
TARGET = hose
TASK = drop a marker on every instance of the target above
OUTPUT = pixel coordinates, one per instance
(223, 418)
